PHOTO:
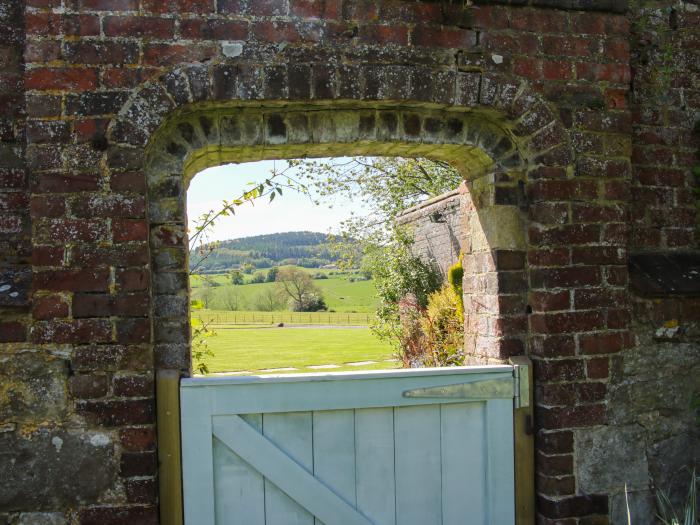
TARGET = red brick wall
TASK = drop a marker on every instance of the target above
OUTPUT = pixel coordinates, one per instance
(91, 294)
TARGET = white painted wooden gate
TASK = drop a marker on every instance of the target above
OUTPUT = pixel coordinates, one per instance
(424, 447)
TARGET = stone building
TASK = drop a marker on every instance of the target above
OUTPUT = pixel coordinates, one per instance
(575, 123)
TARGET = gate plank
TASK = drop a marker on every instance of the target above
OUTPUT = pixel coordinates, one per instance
(239, 489)
(500, 470)
(288, 475)
(418, 465)
(334, 452)
(197, 473)
(291, 433)
(376, 489)
(463, 464)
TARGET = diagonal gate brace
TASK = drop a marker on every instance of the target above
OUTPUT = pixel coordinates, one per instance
(289, 476)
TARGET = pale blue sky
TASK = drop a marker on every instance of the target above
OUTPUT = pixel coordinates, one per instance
(291, 212)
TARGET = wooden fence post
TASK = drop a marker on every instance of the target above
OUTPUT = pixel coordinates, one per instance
(523, 430)
(169, 446)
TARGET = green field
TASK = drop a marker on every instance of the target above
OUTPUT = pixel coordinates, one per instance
(339, 293)
(251, 350)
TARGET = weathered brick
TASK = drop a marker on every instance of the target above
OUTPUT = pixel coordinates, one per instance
(138, 438)
(138, 464)
(72, 280)
(88, 386)
(138, 26)
(111, 413)
(49, 307)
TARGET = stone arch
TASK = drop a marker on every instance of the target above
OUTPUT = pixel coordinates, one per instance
(497, 132)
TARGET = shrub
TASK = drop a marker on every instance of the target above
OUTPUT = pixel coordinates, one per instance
(443, 329)
(455, 276)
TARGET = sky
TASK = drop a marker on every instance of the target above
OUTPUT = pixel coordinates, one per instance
(291, 212)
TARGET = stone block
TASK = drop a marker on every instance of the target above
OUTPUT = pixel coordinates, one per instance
(30, 464)
(32, 386)
(610, 457)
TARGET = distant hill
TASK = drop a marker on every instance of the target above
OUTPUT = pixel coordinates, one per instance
(307, 249)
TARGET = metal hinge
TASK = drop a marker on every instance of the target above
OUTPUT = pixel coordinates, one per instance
(485, 389)
(521, 376)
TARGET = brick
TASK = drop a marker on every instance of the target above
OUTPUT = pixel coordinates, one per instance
(573, 506)
(101, 52)
(560, 323)
(178, 6)
(141, 490)
(131, 279)
(134, 386)
(75, 331)
(559, 370)
(47, 206)
(61, 230)
(58, 183)
(138, 438)
(69, 79)
(12, 332)
(112, 358)
(598, 298)
(556, 486)
(108, 5)
(119, 255)
(118, 515)
(80, 25)
(114, 413)
(138, 464)
(555, 442)
(560, 465)
(565, 277)
(553, 345)
(88, 386)
(106, 305)
(47, 256)
(49, 307)
(133, 331)
(130, 181)
(549, 301)
(87, 280)
(172, 54)
(125, 230)
(455, 38)
(214, 29)
(383, 34)
(570, 417)
(591, 392)
(112, 205)
(139, 26)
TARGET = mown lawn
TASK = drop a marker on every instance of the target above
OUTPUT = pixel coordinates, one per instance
(246, 349)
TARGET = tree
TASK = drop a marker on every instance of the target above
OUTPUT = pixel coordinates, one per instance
(206, 293)
(269, 299)
(386, 185)
(272, 274)
(231, 298)
(258, 277)
(236, 277)
(298, 286)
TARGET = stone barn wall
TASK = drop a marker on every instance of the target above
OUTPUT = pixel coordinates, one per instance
(574, 120)
(439, 228)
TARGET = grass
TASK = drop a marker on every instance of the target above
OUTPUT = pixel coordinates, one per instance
(340, 294)
(245, 349)
(217, 318)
